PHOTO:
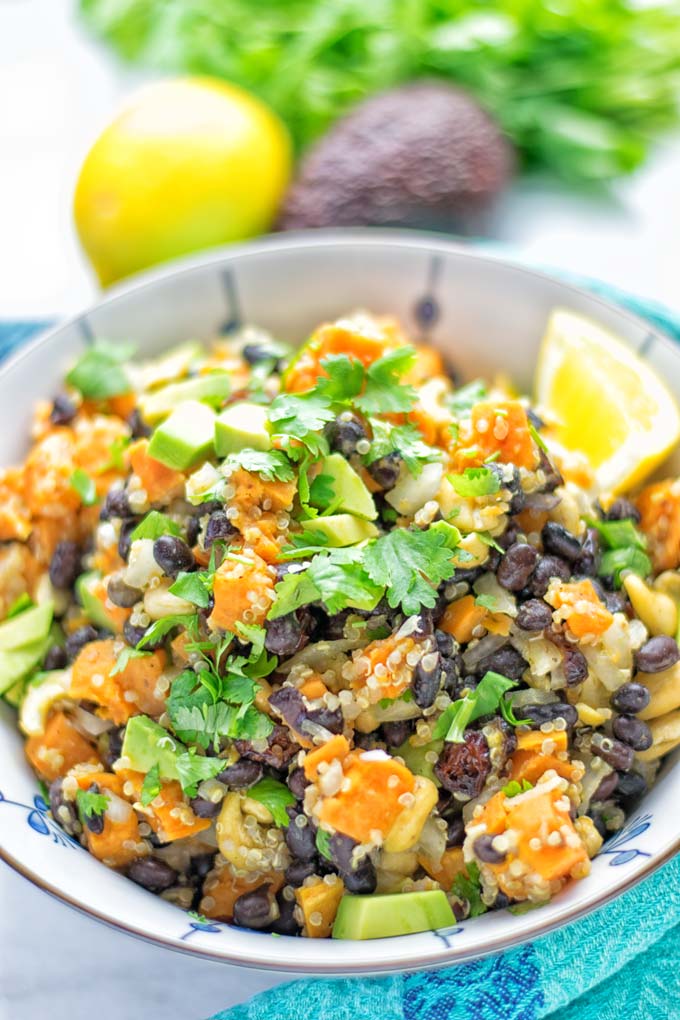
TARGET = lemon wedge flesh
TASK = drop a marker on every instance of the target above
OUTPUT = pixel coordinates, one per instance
(604, 401)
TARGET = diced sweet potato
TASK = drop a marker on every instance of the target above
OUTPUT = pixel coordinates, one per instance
(15, 517)
(92, 681)
(336, 747)
(169, 814)
(47, 476)
(254, 491)
(59, 748)
(243, 591)
(531, 766)
(319, 903)
(313, 688)
(223, 887)
(498, 427)
(141, 677)
(446, 870)
(369, 800)
(365, 342)
(384, 663)
(120, 841)
(460, 618)
(659, 506)
(581, 609)
(159, 482)
(533, 740)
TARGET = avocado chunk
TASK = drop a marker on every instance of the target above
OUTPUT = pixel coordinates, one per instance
(350, 495)
(185, 437)
(242, 426)
(209, 389)
(147, 744)
(91, 604)
(379, 917)
(172, 364)
(342, 529)
(17, 663)
(27, 628)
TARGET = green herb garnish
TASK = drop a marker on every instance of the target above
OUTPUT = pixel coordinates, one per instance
(84, 485)
(99, 373)
(475, 481)
(154, 526)
(91, 804)
(469, 887)
(151, 786)
(483, 700)
(275, 796)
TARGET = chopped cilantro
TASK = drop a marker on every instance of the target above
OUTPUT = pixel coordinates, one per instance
(489, 540)
(116, 461)
(81, 482)
(194, 769)
(620, 534)
(20, 605)
(489, 602)
(483, 700)
(403, 439)
(124, 658)
(323, 840)
(476, 481)
(514, 788)
(343, 380)
(465, 398)
(153, 526)
(194, 587)
(151, 786)
(321, 492)
(383, 392)
(508, 713)
(272, 465)
(91, 804)
(469, 887)
(337, 578)
(411, 564)
(159, 628)
(615, 561)
(275, 796)
(300, 420)
(99, 373)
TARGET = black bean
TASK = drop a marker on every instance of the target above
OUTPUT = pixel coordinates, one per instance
(501, 902)
(385, 470)
(63, 410)
(285, 923)
(152, 873)
(116, 505)
(506, 660)
(193, 530)
(133, 635)
(455, 831)
(547, 568)
(298, 871)
(588, 560)
(423, 625)
(575, 666)
(300, 836)
(289, 704)
(606, 787)
(201, 864)
(219, 529)
(484, 849)
(125, 538)
(657, 654)
(63, 811)
(542, 713)
(362, 879)
(297, 783)
(254, 909)
(427, 678)
(138, 427)
(599, 823)
(616, 602)
(623, 510)
(631, 785)
(288, 634)
(172, 555)
(396, 733)
(241, 774)
(445, 643)
(343, 434)
(110, 746)
(331, 719)
(204, 808)
(557, 541)
(94, 822)
(553, 478)
(55, 658)
(78, 639)
(534, 615)
(256, 353)
(617, 754)
(508, 538)
(462, 768)
(280, 750)
(517, 565)
(65, 564)
(632, 731)
(630, 698)
(340, 849)
(122, 594)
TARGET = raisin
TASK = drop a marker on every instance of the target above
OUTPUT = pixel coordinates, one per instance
(463, 768)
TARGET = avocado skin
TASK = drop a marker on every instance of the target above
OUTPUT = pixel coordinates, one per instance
(424, 154)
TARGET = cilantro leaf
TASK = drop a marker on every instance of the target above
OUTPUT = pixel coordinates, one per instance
(475, 481)
(403, 439)
(615, 561)
(514, 788)
(151, 786)
(194, 587)
(484, 699)
(343, 381)
(383, 392)
(195, 768)
(321, 492)
(81, 482)
(153, 526)
(91, 804)
(489, 602)
(98, 373)
(275, 796)
(411, 564)
(508, 713)
(116, 460)
(337, 578)
(294, 591)
(322, 841)
(469, 887)
(298, 416)
(124, 658)
(159, 628)
(272, 465)
(537, 437)
(465, 398)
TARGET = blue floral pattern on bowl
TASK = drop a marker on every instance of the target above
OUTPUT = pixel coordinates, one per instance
(631, 830)
(39, 819)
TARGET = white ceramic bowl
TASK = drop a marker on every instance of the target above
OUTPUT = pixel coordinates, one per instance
(486, 315)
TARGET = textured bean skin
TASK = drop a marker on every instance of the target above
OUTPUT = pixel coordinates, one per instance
(65, 565)
(298, 783)
(534, 615)
(606, 787)
(300, 840)
(122, 594)
(517, 566)
(630, 786)
(385, 470)
(589, 558)
(280, 751)
(138, 427)
(575, 666)
(455, 831)
(359, 879)
(63, 410)
(540, 714)
(254, 909)
(110, 745)
(133, 635)
(55, 658)
(172, 555)
(484, 849)
(506, 660)
(343, 434)
(219, 528)
(632, 731)
(78, 639)
(547, 568)
(617, 754)
(657, 654)
(116, 505)
(288, 634)
(630, 698)
(125, 538)
(557, 541)
(331, 719)
(204, 808)
(297, 871)
(395, 733)
(285, 924)
(241, 774)
(621, 510)
(152, 873)
(426, 682)
(71, 823)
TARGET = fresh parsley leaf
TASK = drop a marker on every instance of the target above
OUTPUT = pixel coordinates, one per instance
(321, 492)
(615, 561)
(465, 398)
(194, 769)
(483, 700)
(99, 373)
(272, 465)
(91, 804)
(322, 841)
(469, 887)
(301, 417)
(275, 796)
(151, 785)
(514, 788)
(159, 628)
(383, 391)
(20, 605)
(292, 592)
(489, 602)
(476, 481)
(343, 380)
(81, 482)
(155, 525)
(508, 713)
(411, 565)
(194, 587)
(403, 439)
(489, 540)
(336, 578)
(124, 658)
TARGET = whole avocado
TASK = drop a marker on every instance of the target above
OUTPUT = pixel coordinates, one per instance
(424, 154)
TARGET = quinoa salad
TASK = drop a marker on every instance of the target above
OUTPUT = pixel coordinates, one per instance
(325, 643)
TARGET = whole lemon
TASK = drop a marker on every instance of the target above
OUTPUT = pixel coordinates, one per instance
(188, 163)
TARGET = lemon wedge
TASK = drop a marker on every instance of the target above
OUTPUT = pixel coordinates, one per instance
(604, 402)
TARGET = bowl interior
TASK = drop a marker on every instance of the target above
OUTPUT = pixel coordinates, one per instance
(486, 316)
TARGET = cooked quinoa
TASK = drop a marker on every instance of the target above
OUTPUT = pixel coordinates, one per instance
(300, 627)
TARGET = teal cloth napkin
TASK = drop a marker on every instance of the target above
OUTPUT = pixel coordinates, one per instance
(622, 962)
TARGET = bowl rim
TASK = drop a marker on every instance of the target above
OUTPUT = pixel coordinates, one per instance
(340, 238)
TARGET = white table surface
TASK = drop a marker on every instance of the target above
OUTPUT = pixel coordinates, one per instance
(56, 90)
